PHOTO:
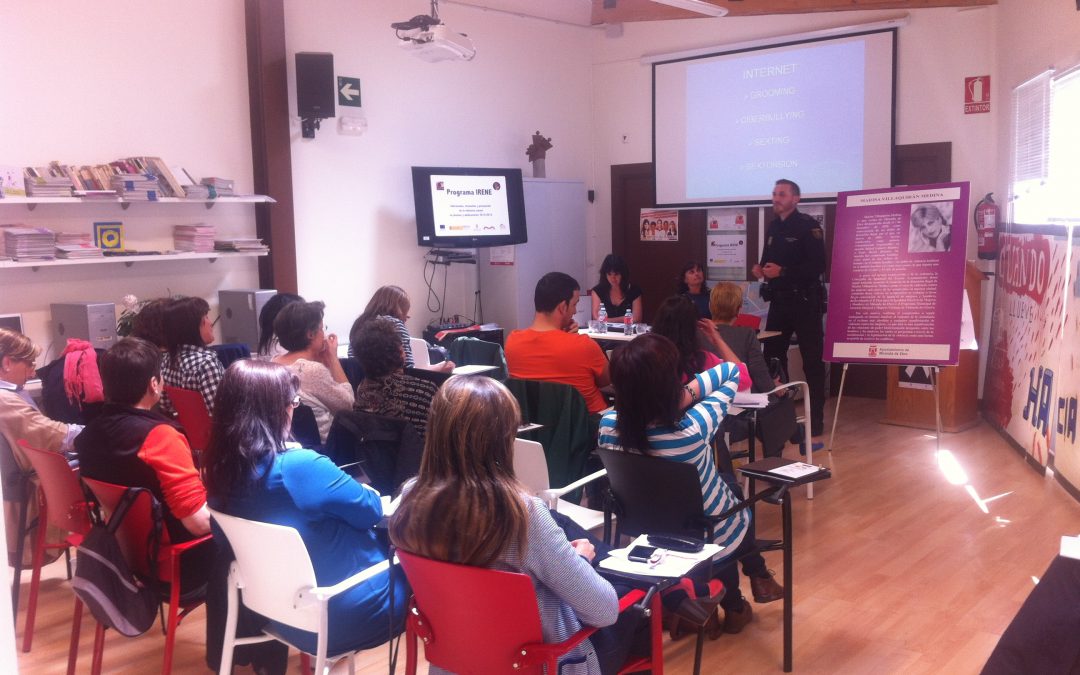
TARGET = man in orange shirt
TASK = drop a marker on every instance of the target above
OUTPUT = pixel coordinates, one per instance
(551, 348)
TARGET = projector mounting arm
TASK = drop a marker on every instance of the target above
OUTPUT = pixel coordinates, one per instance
(420, 22)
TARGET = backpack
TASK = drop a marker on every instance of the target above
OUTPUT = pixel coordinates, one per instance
(105, 583)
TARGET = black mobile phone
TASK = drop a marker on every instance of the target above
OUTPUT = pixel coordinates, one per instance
(640, 553)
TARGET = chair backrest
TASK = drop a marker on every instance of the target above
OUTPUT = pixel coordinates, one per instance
(387, 449)
(530, 465)
(462, 602)
(654, 495)
(194, 417)
(568, 433)
(420, 355)
(15, 478)
(227, 353)
(354, 372)
(54, 397)
(64, 498)
(748, 320)
(136, 531)
(305, 429)
(271, 582)
(470, 351)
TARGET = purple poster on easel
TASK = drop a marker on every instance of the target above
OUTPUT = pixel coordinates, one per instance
(897, 283)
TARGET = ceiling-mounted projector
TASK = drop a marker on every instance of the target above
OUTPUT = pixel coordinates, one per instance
(428, 38)
(439, 44)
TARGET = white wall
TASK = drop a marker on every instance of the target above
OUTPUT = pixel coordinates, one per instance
(88, 83)
(353, 194)
(936, 50)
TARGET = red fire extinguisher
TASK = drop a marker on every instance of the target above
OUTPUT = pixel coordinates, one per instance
(986, 226)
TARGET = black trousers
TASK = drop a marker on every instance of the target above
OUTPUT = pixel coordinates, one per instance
(802, 317)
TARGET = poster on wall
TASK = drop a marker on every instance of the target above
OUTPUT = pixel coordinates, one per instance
(659, 225)
(1026, 342)
(897, 283)
(1067, 385)
(725, 255)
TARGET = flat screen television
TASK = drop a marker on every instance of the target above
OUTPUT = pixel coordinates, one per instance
(464, 207)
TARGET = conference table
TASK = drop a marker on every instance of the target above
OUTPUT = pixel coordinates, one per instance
(622, 337)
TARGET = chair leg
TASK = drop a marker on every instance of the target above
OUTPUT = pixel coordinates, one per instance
(20, 547)
(99, 648)
(35, 577)
(76, 628)
(657, 630)
(228, 644)
(410, 650)
(305, 663)
(174, 620)
(788, 582)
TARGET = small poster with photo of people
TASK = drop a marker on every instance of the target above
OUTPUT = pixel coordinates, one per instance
(659, 225)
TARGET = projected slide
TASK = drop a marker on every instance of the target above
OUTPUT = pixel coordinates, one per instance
(796, 114)
(470, 206)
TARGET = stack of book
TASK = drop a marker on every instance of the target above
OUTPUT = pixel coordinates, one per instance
(141, 187)
(48, 181)
(240, 244)
(74, 239)
(29, 243)
(77, 251)
(219, 187)
(197, 191)
(198, 238)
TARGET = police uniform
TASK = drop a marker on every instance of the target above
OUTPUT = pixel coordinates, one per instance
(797, 301)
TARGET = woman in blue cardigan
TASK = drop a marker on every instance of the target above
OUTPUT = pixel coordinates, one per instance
(249, 473)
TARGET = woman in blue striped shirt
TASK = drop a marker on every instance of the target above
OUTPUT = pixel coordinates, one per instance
(658, 415)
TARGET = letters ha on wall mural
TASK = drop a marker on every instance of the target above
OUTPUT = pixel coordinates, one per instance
(1033, 374)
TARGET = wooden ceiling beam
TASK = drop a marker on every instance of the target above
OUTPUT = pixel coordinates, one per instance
(646, 10)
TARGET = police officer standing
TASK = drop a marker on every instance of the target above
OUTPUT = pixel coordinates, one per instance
(791, 266)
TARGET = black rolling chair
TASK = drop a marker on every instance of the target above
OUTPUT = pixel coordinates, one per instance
(655, 495)
(305, 429)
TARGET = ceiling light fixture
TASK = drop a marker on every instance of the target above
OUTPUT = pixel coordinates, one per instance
(698, 6)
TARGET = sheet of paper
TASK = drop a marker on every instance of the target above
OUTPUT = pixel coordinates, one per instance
(745, 399)
(472, 370)
(796, 470)
(1070, 547)
(670, 563)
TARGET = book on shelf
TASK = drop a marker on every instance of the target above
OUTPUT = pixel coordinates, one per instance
(77, 251)
(29, 243)
(240, 244)
(109, 235)
(12, 183)
(198, 238)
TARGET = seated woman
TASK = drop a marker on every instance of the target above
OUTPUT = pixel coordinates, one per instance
(391, 302)
(615, 292)
(132, 444)
(725, 302)
(692, 285)
(312, 357)
(250, 474)
(656, 414)
(386, 389)
(676, 319)
(20, 417)
(149, 323)
(269, 347)
(495, 524)
(188, 363)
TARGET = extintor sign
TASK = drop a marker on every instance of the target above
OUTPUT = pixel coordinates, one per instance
(976, 94)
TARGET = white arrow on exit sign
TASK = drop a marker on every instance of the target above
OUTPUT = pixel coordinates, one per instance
(348, 92)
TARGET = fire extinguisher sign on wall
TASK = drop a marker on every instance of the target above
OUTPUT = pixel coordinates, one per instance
(976, 94)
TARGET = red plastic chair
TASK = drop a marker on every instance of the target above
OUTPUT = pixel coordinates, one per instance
(62, 504)
(194, 417)
(748, 320)
(134, 535)
(453, 604)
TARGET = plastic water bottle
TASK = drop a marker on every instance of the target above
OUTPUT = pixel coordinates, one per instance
(628, 322)
(601, 316)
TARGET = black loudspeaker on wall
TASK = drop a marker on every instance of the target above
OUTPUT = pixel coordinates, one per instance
(314, 89)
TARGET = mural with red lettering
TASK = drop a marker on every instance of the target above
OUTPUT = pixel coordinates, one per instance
(1067, 384)
(1025, 341)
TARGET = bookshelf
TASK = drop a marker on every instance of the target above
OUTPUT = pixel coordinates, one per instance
(98, 207)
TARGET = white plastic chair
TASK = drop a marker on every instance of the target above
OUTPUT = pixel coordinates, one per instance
(420, 355)
(272, 575)
(804, 419)
(530, 467)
